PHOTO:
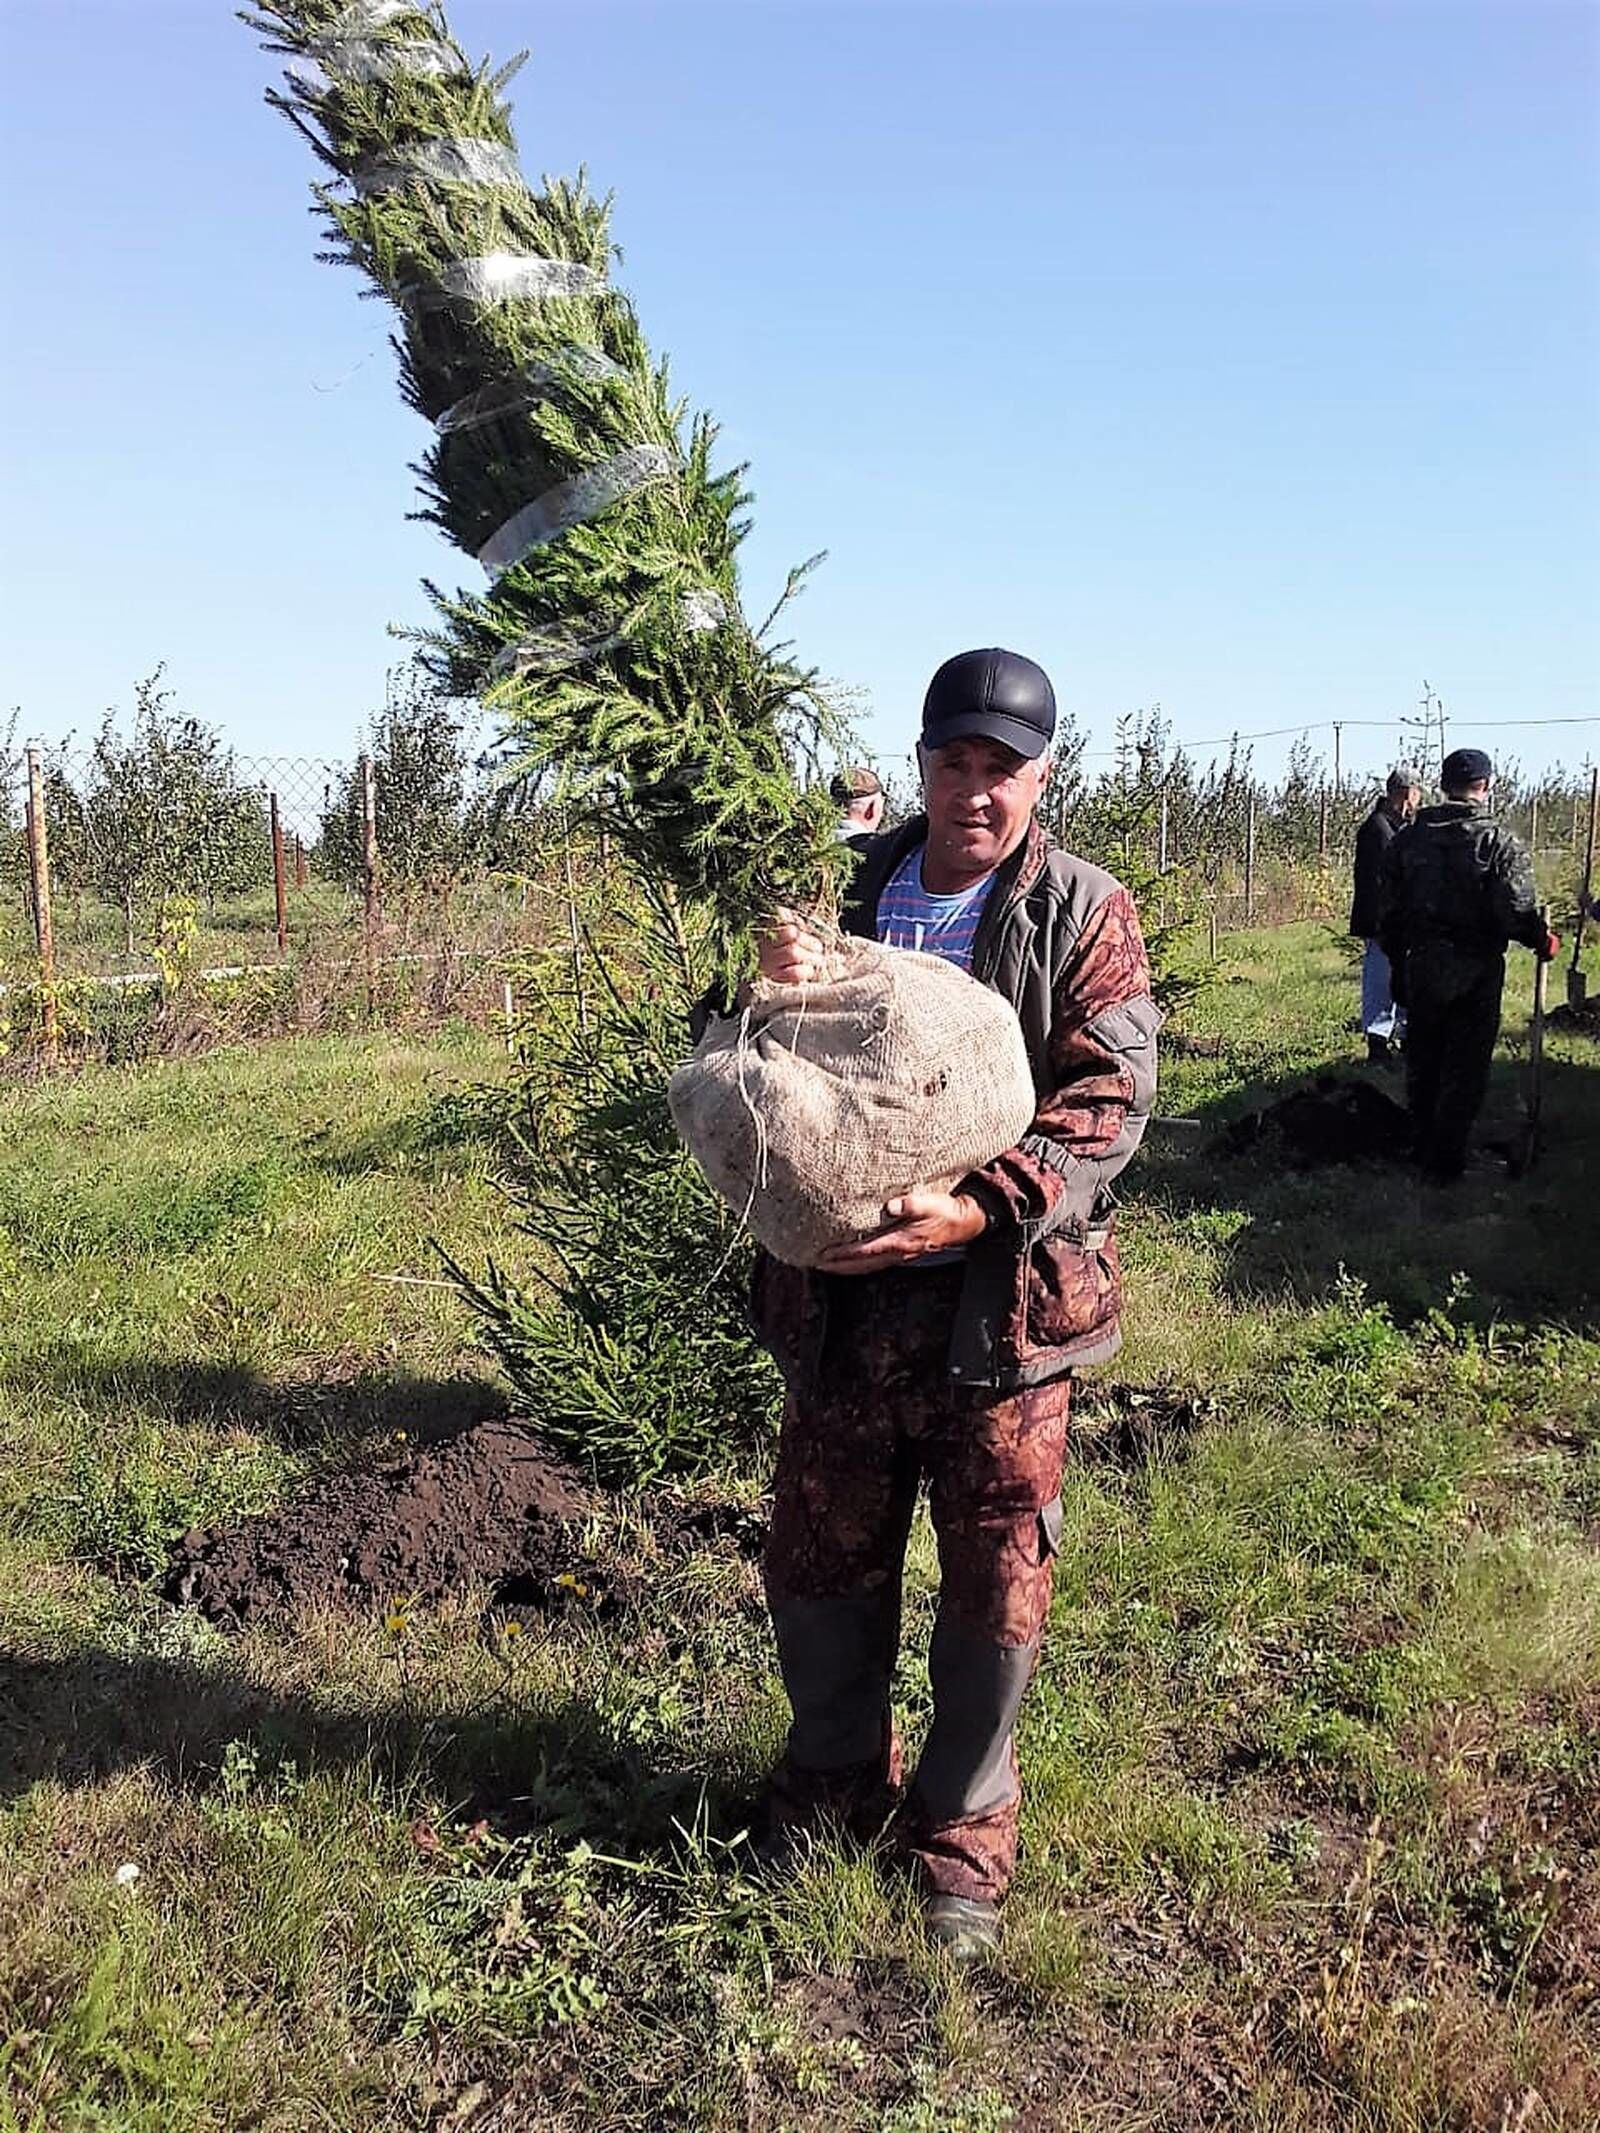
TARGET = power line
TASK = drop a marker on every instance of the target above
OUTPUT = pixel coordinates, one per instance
(1478, 723)
(1326, 725)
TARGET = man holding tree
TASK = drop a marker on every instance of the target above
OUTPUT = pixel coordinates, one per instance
(942, 1347)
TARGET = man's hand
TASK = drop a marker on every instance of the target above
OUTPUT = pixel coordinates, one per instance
(920, 1223)
(791, 954)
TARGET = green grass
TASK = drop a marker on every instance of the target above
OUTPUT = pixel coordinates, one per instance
(1313, 1762)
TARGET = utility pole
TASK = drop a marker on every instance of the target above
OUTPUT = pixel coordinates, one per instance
(43, 922)
(1250, 860)
(1338, 744)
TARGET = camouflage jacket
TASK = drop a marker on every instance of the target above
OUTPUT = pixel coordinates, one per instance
(1041, 1290)
(1456, 888)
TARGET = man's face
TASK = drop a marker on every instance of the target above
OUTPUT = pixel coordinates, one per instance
(1413, 798)
(980, 797)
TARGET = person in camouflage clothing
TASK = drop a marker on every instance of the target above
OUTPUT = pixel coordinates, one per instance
(942, 1348)
(1456, 888)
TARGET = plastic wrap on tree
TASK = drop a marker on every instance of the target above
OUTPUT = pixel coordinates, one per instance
(610, 638)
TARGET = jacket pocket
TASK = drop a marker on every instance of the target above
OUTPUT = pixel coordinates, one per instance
(1130, 1030)
(1070, 1292)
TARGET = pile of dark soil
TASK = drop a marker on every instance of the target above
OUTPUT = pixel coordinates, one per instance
(489, 1508)
(1334, 1121)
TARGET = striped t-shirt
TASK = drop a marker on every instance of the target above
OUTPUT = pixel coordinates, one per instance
(909, 917)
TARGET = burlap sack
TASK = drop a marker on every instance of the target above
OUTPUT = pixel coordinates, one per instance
(820, 1103)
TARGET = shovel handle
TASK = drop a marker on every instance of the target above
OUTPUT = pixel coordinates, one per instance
(1588, 867)
(1536, 1049)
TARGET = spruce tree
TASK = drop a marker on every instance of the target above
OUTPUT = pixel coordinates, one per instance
(609, 638)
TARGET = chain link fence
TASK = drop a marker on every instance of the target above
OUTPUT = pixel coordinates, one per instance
(164, 892)
(193, 896)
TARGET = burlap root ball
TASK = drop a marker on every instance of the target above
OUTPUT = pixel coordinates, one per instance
(818, 1104)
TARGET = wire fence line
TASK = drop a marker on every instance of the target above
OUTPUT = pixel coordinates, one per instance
(222, 895)
(1409, 737)
(241, 895)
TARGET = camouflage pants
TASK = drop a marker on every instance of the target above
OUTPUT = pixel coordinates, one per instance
(882, 1416)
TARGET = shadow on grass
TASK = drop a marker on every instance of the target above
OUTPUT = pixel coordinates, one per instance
(82, 1718)
(1527, 1248)
(459, 1126)
(330, 1409)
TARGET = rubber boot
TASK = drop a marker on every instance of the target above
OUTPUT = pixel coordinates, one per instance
(967, 1766)
(965, 1927)
(842, 1761)
(959, 1823)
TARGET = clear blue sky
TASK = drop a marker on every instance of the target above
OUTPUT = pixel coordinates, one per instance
(1243, 357)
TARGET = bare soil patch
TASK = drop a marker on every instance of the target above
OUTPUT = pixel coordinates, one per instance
(1337, 1120)
(489, 1508)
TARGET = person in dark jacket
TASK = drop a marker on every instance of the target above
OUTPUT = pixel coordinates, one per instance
(1456, 888)
(1381, 1019)
(942, 1347)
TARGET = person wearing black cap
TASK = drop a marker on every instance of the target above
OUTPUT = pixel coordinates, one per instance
(1456, 889)
(943, 1346)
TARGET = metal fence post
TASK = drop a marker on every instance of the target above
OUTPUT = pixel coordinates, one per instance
(1250, 862)
(369, 853)
(43, 920)
(299, 861)
(279, 891)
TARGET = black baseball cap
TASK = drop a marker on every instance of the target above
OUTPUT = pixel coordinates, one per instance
(993, 694)
(1465, 766)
